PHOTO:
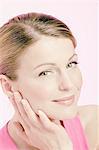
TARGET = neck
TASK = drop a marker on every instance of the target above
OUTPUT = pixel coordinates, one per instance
(20, 143)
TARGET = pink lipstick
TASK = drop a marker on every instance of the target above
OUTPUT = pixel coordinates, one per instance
(65, 101)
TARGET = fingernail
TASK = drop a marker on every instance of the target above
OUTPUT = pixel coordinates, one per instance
(17, 96)
(40, 112)
(23, 102)
(10, 94)
(16, 93)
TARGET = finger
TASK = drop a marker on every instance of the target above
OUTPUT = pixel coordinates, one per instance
(20, 131)
(46, 121)
(21, 111)
(11, 97)
(30, 113)
(30, 117)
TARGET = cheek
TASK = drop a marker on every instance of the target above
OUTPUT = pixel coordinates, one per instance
(35, 92)
(76, 78)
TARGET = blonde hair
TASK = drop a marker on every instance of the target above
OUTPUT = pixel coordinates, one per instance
(22, 31)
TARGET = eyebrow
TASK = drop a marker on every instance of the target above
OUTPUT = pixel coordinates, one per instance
(53, 64)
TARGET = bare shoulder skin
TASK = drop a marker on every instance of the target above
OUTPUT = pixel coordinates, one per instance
(89, 115)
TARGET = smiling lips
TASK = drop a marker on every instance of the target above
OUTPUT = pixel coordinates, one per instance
(65, 101)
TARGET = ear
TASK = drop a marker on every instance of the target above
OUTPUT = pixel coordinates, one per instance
(6, 85)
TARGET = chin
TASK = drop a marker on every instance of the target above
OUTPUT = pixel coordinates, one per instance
(68, 113)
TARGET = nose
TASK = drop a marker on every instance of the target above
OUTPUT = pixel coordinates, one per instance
(65, 82)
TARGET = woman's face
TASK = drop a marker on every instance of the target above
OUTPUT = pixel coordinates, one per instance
(48, 72)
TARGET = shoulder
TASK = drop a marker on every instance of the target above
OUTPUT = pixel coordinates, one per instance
(90, 111)
(88, 107)
(89, 115)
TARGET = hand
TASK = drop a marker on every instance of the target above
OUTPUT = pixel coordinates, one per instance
(37, 129)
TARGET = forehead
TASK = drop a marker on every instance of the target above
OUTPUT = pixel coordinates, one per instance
(46, 50)
(50, 46)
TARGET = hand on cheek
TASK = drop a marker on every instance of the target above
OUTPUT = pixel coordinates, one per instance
(38, 126)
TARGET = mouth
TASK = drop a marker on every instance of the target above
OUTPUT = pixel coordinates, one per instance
(66, 100)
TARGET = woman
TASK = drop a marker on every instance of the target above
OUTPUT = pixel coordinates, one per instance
(40, 75)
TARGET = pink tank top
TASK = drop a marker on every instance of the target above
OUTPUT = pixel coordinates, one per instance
(6, 142)
(76, 133)
(73, 128)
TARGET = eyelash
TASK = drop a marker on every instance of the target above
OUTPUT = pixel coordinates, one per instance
(75, 62)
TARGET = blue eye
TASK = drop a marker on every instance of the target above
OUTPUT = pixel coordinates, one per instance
(44, 73)
(72, 64)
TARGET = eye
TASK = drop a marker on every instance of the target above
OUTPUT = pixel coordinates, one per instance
(44, 73)
(72, 64)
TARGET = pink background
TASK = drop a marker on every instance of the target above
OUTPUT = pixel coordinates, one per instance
(81, 17)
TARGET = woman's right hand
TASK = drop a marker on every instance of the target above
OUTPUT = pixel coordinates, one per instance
(39, 131)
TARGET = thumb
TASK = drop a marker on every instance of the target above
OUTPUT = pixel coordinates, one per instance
(20, 130)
